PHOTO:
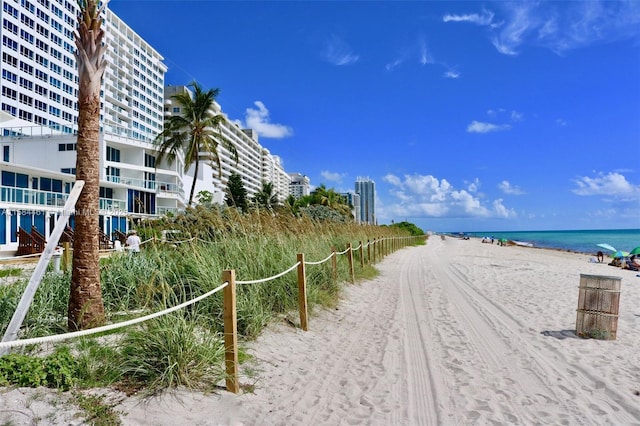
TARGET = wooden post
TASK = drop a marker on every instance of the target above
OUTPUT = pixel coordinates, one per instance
(369, 252)
(334, 263)
(66, 256)
(302, 292)
(353, 276)
(230, 331)
(361, 256)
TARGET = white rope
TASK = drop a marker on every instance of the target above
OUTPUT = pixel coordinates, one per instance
(343, 252)
(321, 261)
(21, 257)
(263, 280)
(59, 337)
(358, 248)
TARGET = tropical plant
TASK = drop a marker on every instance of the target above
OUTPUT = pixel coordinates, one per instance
(332, 199)
(236, 193)
(85, 308)
(196, 131)
(266, 198)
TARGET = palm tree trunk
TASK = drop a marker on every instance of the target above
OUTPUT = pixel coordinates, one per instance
(86, 308)
(193, 185)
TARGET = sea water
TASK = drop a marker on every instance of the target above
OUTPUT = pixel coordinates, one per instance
(578, 241)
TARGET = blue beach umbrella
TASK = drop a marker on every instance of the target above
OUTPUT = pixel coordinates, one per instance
(607, 247)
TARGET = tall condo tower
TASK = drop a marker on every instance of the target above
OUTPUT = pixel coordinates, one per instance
(366, 189)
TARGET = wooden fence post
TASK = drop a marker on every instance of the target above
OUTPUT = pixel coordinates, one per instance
(369, 252)
(334, 263)
(375, 248)
(302, 292)
(66, 256)
(361, 256)
(230, 331)
(353, 276)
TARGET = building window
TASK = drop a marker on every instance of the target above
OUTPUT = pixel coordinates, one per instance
(69, 170)
(5, 153)
(113, 154)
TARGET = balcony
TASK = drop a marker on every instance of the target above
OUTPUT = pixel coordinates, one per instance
(113, 205)
(34, 197)
(27, 196)
(138, 183)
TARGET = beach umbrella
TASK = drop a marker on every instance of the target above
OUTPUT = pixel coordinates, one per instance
(607, 247)
(635, 251)
(620, 253)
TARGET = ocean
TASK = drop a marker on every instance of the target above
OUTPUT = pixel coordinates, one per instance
(577, 241)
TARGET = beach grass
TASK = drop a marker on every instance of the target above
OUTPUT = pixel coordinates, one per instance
(185, 348)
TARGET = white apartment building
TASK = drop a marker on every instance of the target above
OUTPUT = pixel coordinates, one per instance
(39, 122)
(38, 127)
(299, 185)
(255, 163)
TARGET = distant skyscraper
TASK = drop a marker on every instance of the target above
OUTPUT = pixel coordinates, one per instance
(366, 189)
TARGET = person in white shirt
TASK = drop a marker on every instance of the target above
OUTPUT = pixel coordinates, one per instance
(133, 242)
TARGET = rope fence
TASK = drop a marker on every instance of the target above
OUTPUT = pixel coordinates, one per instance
(381, 246)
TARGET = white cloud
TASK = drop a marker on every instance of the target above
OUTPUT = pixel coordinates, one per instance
(258, 119)
(610, 184)
(332, 176)
(507, 188)
(392, 65)
(559, 27)
(501, 211)
(480, 127)
(425, 56)
(451, 74)
(425, 196)
(338, 52)
(485, 19)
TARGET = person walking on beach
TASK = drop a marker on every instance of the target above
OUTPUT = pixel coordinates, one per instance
(600, 257)
(133, 242)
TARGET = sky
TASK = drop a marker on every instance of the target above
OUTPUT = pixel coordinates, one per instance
(469, 116)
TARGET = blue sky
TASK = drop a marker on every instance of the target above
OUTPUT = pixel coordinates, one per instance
(469, 116)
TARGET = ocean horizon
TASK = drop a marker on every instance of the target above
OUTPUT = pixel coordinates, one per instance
(580, 241)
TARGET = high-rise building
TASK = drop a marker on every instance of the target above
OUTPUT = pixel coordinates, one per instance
(38, 127)
(353, 200)
(366, 189)
(255, 163)
(38, 123)
(299, 186)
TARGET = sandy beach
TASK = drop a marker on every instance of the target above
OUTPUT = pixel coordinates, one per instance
(456, 332)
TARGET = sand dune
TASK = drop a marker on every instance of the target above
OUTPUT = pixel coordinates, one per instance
(454, 332)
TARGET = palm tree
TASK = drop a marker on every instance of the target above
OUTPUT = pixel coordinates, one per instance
(266, 197)
(86, 308)
(195, 131)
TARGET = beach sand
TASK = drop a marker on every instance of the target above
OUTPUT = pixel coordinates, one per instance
(456, 332)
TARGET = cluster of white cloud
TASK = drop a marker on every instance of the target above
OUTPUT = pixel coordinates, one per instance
(500, 114)
(333, 176)
(612, 184)
(556, 26)
(425, 196)
(258, 120)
